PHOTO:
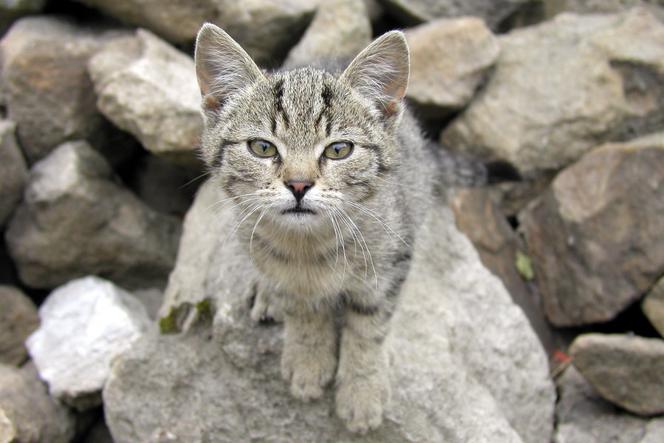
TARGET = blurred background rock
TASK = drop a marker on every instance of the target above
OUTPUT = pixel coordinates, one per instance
(99, 125)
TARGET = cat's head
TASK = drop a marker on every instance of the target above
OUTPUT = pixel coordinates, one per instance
(297, 146)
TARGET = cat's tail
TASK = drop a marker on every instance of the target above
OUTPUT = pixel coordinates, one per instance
(460, 170)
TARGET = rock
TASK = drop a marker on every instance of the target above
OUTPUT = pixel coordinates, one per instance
(465, 364)
(47, 88)
(626, 370)
(653, 306)
(582, 416)
(266, 29)
(75, 220)
(10, 10)
(595, 236)
(28, 413)
(565, 86)
(344, 23)
(418, 11)
(13, 172)
(449, 59)
(149, 89)
(84, 325)
(18, 318)
(553, 7)
(478, 216)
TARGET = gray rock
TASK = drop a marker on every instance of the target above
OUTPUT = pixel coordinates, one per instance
(595, 236)
(84, 325)
(13, 172)
(626, 370)
(653, 306)
(75, 220)
(18, 318)
(582, 416)
(339, 31)
(266, 29)
(565, 86)
(27, 413)
(449, 59)
(47, 88)
(465, 364)
(148, 88)
(494, 12)
(553, 7)
(10, 10)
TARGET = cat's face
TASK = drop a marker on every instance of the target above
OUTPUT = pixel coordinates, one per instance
(299, 148)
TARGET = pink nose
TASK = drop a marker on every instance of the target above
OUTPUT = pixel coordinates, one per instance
(299, 188)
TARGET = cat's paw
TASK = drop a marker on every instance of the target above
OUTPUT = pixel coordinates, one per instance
(360, 403)
(265, 307)
(308, 370)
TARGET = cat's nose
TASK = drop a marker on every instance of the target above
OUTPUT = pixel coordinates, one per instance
(299, 188)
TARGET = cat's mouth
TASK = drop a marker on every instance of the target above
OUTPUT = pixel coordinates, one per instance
(298, 210)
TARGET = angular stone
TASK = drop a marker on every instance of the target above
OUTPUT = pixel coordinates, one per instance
(47, 88)
(84, 325)
(465, 364)
(449, 59)
(553, 7)
(28, 413)
(75, 220)
(595, 236)
(344, 23)
(13, 172)
(149, 89)
(582, 416)
(653, 306)
(265, 28)
(626, 370)
(18, 319)
(494, 12)
(565, 86)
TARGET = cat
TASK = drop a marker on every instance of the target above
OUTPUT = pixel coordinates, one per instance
(330, 177)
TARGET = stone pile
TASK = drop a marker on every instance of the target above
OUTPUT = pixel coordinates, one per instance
(119, 290)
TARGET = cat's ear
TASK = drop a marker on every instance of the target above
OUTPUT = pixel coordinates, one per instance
(380, 72)
(222, 67)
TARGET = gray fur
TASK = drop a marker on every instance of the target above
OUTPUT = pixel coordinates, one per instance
(348, 260)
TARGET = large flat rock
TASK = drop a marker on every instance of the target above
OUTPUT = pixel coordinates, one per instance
(465, 364)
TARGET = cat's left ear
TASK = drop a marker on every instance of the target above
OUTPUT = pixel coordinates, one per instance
(380, 72)
(223, 68)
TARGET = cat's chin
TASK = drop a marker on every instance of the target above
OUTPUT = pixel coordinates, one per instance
(302, 219)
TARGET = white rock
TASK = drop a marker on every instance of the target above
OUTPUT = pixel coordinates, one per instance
(84, 325)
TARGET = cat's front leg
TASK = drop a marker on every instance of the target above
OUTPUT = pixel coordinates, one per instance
(308, 360)
(363, 388)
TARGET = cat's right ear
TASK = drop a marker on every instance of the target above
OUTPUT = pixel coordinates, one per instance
(222, 67)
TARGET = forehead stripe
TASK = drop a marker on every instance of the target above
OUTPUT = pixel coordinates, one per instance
(278, 102)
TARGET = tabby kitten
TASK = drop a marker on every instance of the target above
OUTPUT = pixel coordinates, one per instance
(330, 178)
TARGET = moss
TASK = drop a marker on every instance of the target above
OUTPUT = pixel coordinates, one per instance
(524, 265)
(169, 323)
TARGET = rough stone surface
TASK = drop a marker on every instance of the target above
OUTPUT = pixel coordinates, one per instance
(10, 10)
(478, 216)
(449, 59)
(13, 171)
(565, 86)
(626, 370)
(265, 28)
(18, 318)
(47, 89)
(339, 31)
(595, 236)
(653, 306)
(493, 12)
(553, 7)
(465, 364)
(84, 325)
(75, 220)
(28, 413)
(583, 416)
(149, 89)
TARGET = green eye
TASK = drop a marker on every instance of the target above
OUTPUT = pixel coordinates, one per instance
(262, 148)
(338, 150)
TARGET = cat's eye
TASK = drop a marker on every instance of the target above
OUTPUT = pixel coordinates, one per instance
(338, 150)
(262, 148)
